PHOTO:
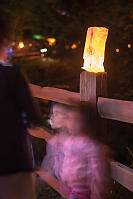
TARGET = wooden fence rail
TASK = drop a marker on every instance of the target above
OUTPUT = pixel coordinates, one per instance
(54, 94)
(108, 108)
(115, 109)
(122, 174)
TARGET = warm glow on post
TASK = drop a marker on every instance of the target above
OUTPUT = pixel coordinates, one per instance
(94, 49)
(51, 41)
(21, 44)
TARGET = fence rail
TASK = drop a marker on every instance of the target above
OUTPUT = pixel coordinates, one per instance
(54, 94)
(108, 108)
(115, 109)
(122, 174)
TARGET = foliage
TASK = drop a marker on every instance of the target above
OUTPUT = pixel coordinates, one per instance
(18, 13)
(52, 73)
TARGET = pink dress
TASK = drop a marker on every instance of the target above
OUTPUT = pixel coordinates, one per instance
(85, 169)
(52, 162)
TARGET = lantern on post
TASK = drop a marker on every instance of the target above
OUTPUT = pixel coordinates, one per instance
(93, 79)
(93, 82)
(94, 49)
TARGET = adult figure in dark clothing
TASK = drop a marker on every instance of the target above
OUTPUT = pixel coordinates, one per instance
(17, 179)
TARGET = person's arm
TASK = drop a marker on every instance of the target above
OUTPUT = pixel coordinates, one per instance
(25, 101)
(48, 160)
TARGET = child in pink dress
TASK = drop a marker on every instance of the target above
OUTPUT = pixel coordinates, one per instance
(85, 169)
(54, 157)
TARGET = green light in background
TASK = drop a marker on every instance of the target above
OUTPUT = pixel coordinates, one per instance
(37, 36)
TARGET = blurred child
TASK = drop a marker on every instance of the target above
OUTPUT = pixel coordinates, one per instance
(85, 168)
(53, 160)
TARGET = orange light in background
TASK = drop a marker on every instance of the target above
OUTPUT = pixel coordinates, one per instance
(66, 46)
(54, 52)
(94, 49)
(129, 45)
(42, 55)
(21, 44)
(51, 41)
(30, 44)
(13, 43)
(73, 46)
(117, 50)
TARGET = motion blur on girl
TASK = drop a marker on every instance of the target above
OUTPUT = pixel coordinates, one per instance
(85, 170)
(54, 157)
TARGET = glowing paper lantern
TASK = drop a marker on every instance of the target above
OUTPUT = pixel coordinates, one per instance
(94, 49)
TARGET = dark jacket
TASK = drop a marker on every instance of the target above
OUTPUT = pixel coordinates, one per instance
(15, 99)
